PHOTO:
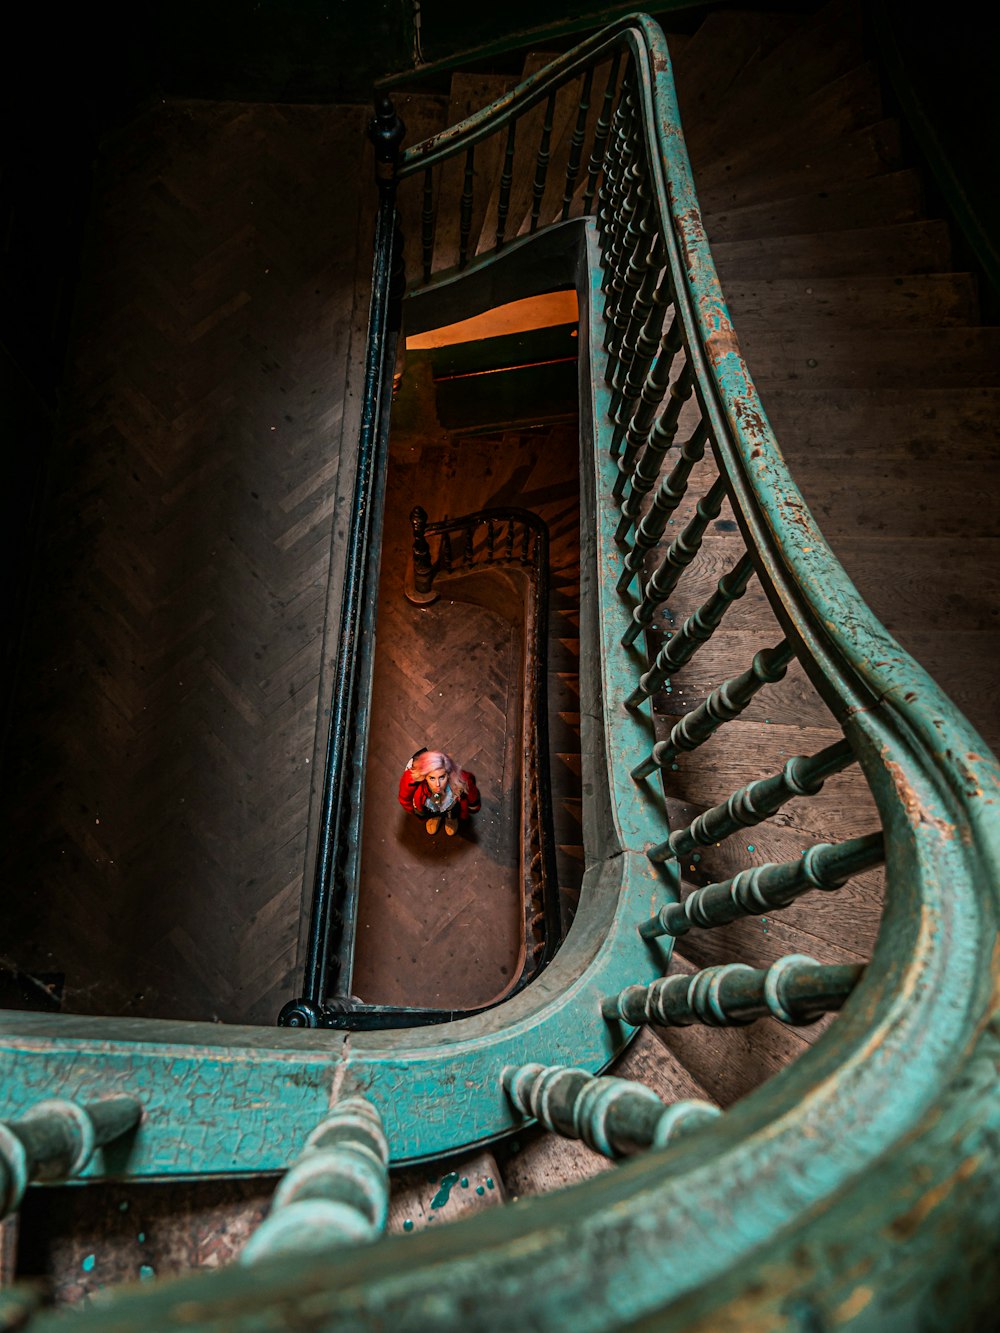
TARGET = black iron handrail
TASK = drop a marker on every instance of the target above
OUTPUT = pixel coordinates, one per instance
(333, 917)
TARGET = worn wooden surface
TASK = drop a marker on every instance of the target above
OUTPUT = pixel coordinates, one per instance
(157, 781)
(438, 916)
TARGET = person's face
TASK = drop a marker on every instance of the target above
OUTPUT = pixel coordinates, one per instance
(437, 780)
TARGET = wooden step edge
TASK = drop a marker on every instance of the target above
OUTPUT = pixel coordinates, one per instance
(650, 1062)
(444, 1191)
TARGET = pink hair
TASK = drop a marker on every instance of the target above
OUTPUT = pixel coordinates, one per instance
(431, 760)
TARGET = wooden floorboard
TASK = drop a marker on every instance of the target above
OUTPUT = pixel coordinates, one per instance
(440, 918)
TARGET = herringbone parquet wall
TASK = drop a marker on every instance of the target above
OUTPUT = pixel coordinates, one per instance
(158, 776)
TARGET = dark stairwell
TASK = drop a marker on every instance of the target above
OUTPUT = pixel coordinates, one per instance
(171, 682)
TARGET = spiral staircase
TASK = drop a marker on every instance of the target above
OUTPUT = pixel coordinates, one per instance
(793, 1047)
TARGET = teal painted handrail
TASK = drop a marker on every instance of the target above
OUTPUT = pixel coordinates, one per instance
(851, 1189)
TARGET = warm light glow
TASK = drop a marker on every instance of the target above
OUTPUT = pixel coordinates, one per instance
(534, 312)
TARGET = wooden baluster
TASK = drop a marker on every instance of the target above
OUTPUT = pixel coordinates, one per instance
(614, 1116)
(55, 1139)
(576, 144)
(445, 552)
(510, 539)
(625, 343)
(337, 1193)
(491, 538)
(623, 230)
(423, 568)
(626, 281)
(427, 223)
(506, 179)
(661, 437)
(669, 494)
(641, 253)
(624, 399)
(766, 888)
(653, 390)
(620, 199)
(722, 705)
(542, 164)
(470, 542)
(595, 165)
(611, 194)
(802, 775)
(679, 554)
(795, 990)
(465, 211)
(696, 630)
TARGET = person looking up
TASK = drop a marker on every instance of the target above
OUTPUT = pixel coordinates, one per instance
(434, 787)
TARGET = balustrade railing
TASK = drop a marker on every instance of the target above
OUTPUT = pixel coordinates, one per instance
(326, 998)
(891, 1116)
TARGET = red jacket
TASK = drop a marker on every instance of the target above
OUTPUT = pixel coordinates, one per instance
(413, 793)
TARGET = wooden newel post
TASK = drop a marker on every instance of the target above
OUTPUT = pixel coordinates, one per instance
(421, 589)
(387, 132)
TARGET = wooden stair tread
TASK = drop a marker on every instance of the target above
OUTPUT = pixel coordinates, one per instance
(922, 246)
(841, 109)
(444, 1191)
(894, 197)
(909, 423)
(868, 153)
(872, 301)
(866, 359)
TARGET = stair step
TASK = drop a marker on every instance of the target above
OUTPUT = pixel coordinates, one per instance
(444, 1191)
(730, 1062)
(573, 762)
(906, 247)
(870, 152)
(537, 1161)
(894, 197)
(725, 43)
(950, 358)
(914, 424)
(848, 104)
(873, 302)
(815, 54)
(648, 1061)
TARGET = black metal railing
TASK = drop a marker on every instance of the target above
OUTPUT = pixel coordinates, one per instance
(329, 950)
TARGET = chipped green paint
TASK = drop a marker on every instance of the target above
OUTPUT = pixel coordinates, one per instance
(88, 1263)
(408, 1225)
(448, 1183)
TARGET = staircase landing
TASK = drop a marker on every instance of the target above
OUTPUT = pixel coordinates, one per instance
(439, 917)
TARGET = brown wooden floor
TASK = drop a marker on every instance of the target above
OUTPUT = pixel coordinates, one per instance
(439, 917)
